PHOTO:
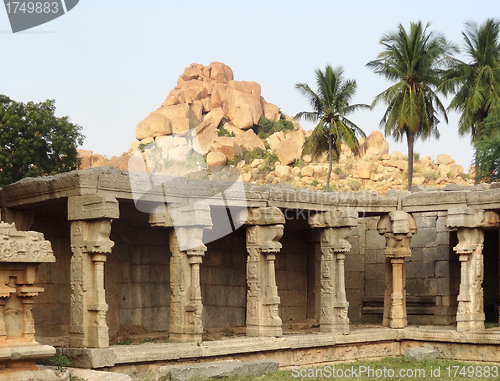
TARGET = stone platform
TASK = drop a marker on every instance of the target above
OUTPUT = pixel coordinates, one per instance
(145, 360)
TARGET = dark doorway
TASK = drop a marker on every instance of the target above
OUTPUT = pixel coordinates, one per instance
(491, 272)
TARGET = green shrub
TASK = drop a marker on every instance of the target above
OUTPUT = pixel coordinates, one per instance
(416, 156)
(223, 132)
(465, 176)
(450, 176)
(314, 183)
(354, 184)
(267, 127)
(61, 362)
(430, 176)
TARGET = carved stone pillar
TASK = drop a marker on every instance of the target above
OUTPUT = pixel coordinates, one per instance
(470, 226)
(20, 254)
(335, 227)
(263, 234)
(187, 225)
(186, 305)
(91, 217)
(398, 227)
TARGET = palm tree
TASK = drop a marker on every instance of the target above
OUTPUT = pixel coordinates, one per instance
(413, 60)
(476, 84)
(331, 106)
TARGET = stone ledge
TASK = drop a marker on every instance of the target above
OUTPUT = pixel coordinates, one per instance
(27, 352)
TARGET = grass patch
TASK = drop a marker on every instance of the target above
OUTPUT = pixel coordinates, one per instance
(266, 127)
(403, 369)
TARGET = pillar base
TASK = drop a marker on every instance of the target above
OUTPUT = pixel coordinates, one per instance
(262, 331)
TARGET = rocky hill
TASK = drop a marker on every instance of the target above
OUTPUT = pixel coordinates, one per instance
(236, 126)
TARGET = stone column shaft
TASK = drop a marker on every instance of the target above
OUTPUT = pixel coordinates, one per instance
(90, 243)
(186, 305)
(335, 228)
(91, 216)
(262, 296)
(398, 228)
(470, 224)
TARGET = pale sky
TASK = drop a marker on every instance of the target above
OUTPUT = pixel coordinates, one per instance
(108, 64)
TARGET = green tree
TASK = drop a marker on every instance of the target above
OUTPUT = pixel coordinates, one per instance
(488, 149)
(413, 60)
(476, 84)
(331, 105)
(34, 142)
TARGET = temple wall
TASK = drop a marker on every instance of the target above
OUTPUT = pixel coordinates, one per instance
(138, 278)
(223, 282)
(291, 277)
(51, 309)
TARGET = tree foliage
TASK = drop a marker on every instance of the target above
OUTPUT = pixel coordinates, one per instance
(488, 149)
(412, 59)
(34, 142)
(475, 84)
(331, 105)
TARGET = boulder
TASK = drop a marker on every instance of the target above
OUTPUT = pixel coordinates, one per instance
(243, 109)
(207, 130)
(155, 124)
(275, 139)
(216, 159)
(443, 159)
(396, 155)
(288, 151)
(122, 162)
(365, 170)
(220, 72)
(256, 163)
(374, 140)
(244, 86)
(307, 171)
(421, 353)
(178, 114)
(283, 171)
(249, 141)
(180, 153)
(226, 145)
(456, 170)
(297, 136)
(271, 112)
(91, 160)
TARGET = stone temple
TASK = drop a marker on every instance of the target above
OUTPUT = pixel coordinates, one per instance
(79, 261)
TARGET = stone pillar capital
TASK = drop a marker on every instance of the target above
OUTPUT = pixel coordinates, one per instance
(265, 238)
(398, 227)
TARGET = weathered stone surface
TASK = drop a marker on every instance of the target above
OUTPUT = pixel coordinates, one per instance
(443, 159)
(91, 160)
(243, 109)
(275, 139)
(271, 112)
(297, 136)
(92, 206)
(365, 170)
(155, 124)
(307, 171)
(249, 141)
(421, 354)
(226, 145)
(94, 375)
(288, 151)
(283, 171)
(216, 159)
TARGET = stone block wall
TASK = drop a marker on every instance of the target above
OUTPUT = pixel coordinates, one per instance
(137, 277)
(223, 282)
(291, 277)
(51, 309)
(355, 271)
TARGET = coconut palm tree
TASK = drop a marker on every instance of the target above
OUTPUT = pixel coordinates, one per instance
(413, 60)
(476, 84)
(331, 105)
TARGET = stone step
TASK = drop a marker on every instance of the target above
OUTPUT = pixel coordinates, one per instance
(94, 375)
